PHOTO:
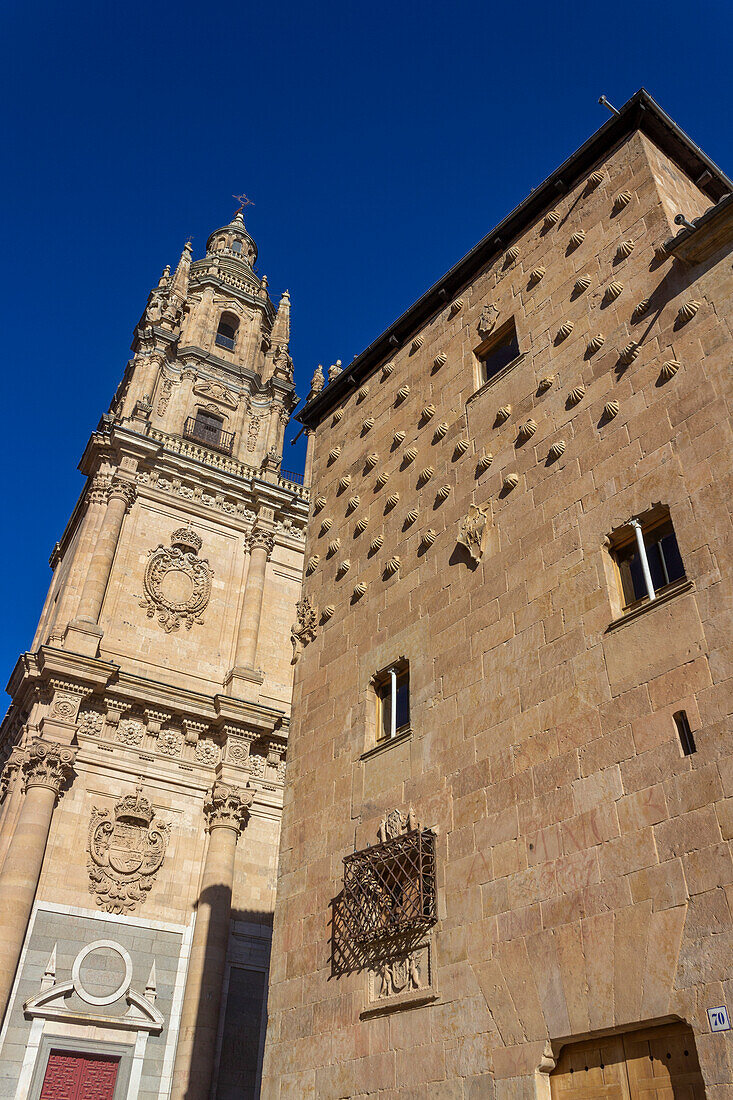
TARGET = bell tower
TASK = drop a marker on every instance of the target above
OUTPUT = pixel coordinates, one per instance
(160, 677)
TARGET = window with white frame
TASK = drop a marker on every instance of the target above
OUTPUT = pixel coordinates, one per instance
(392, 689)
(647, 557)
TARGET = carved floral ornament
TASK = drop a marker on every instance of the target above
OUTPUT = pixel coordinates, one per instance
(215, 391)
(177, 583)
(47, 764)
(227, 807)
(126, 849)
(474, 531)
(303, 629)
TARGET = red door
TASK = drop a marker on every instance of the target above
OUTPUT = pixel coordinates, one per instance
(79, 1076)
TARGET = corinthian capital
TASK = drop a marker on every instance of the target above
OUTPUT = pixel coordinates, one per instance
(227, 807)
(122, 489)
(47, 764)
(260, 538)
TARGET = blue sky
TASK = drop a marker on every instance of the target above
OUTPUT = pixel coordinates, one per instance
(378, 141)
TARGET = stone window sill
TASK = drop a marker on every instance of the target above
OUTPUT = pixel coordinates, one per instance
(414, 999)
(670, 593)
(387, 744)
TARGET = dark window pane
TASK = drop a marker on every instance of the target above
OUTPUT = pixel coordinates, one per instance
(500, 354)
(656, 566)
(403, 703)
(637, 576)
(672, 557)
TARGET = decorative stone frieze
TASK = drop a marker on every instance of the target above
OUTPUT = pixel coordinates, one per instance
(227, 807)
(176, 582)
(90, 723)
(126, 848)
(47, 764)
(303, 630)
(207, 753)
(473, 531)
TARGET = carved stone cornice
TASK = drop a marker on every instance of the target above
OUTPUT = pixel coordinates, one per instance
(122, 490)
(227, 807)
(47, 764)
(260, 538)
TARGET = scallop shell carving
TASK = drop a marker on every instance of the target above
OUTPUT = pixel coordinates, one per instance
(368, 424)
(444, 492)
(319, 503)
(313, 563)
(376, 544)
(577, 239)
(552, 219)
(326, 526)
(624, 250)
(412, 515)
(392, 566)
(582, 284)
(334, 545)
(611, 409)
(354, 502)
(686, 312)
(462, 446)
(392, 500)
(613, 290)
(594, 179)
(428, 412)
(564, 331)
(504, 413)
(344, 482)
(537, 275)
(427, 473)
(440, 359)
(660, 254)
(456, 306)
(410, 454)
(641, 309)
(371, 461)
(429, 537)
(362, 393)
(511, 254)
(669, 369)
(337, 415)
(382, 479)
(510, 482)
(403, 393)
(328, 611)
(418, 342)
(362, 524)
(622, 199)
(596, 343)
(527, 430)
(359, 590)
(630, 352)
(556, 450)
(398, 438)
(485, 461)
(334, 453)
(344, 567)
(441, 430)
(388, 369)
(576, 395)
(546, 383)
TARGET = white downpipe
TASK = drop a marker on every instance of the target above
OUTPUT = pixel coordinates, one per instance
(644, 560)
(393, 710)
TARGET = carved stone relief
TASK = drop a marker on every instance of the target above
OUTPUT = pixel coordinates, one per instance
(130, 732)
(177, 583)
(396, 823)
(395, 982)
(303, 629)
(473, 532)
(215, 391)
(487, 321)
(126, 848)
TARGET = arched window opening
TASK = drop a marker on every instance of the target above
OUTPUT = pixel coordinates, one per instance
(236, 246)
(226, 334)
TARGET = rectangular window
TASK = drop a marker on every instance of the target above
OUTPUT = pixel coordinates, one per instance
(501, 349)
(392, 688)
(647, 556)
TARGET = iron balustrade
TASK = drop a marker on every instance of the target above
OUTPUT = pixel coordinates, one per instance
(291, 475)
(215, 438)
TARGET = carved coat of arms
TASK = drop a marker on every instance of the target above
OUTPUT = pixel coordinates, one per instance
(487, 321)
(177, 582)
(303, 629)
(473, 532)
(126, 849)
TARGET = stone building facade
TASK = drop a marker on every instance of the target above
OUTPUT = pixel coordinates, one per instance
(144, 750)
(505, 866)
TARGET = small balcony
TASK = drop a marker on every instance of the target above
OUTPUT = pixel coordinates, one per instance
(208, 435)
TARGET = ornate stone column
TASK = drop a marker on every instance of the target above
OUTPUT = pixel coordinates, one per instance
(310, 436)
(273, 427)
(45, 766)
(96, 503)
(259, 543)
(226, 810)
(83, 633)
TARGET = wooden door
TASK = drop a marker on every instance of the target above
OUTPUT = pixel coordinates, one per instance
(72, 1076)
(657, 1064)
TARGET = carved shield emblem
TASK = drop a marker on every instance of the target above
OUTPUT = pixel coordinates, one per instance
(474, 529)
(487, 321)
(126, 849)
(177, 582)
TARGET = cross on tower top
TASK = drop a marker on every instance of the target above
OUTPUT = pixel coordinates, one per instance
(243, 201)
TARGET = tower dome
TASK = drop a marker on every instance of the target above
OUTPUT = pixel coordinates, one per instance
(233, 240)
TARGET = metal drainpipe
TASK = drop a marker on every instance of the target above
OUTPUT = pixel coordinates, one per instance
(393, 711)
(644, 560)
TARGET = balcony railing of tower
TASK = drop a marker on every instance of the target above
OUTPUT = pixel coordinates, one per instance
(292, 475)
(218, 440)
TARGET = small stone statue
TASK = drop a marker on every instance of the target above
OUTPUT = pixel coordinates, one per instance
(334, 371)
